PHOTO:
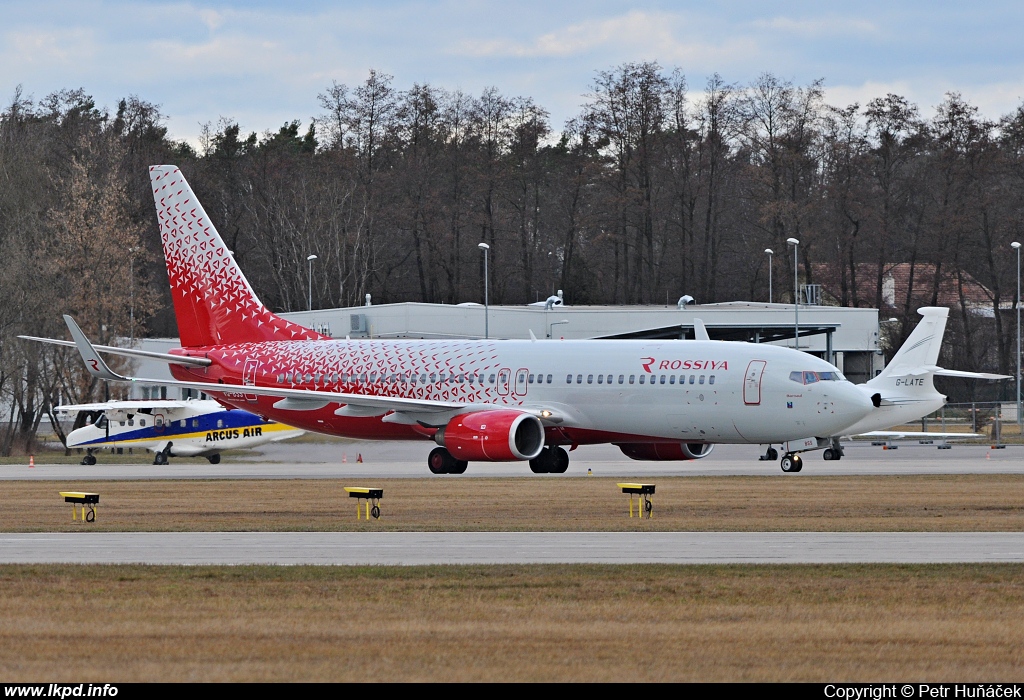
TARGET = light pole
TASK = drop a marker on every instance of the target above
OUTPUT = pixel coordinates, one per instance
(551, 326)
(1020, 419)
(770, 254)
(796, 292)
(487, 329)
(131, 295)
(310, 259)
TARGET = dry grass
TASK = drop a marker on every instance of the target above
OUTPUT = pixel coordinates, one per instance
(807, 503)
(519, 623)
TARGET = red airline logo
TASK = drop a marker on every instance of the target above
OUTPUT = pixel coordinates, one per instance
(707, 365)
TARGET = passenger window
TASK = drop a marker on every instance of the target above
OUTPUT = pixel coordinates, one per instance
(691, 379)
(491, 379)
(622, 378)
(610, 379)
(131, 421)
(711, 379)
(642, 380)
(184, 423)
(549, 379)
(631, 378)
(672, 379)
(701, 379)
(600, 379)
(568, 379)
(579, 378)
(195, 422)
(530, 379)
(662, 380)
(590, 379)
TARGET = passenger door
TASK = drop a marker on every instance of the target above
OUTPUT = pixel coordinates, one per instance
(752, 383)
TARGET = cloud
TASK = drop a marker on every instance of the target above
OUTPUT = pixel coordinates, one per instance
(818, 27)
(632, 29)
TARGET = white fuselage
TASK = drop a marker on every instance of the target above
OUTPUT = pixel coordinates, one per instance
(691, 390)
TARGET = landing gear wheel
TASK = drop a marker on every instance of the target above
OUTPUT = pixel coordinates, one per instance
(791, 463)
(829, 454)
(559, 460)
(160, 459)
(772, 454)
(441, 461)
(375, 512)
(88, 460)
(459, 466)
(214, 459)
(540, 464)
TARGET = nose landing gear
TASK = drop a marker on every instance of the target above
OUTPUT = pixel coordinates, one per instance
(791, 463)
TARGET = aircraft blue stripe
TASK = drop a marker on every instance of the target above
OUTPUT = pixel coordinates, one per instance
(173, 429)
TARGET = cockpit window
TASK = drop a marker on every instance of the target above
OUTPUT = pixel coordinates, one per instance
(808, 377)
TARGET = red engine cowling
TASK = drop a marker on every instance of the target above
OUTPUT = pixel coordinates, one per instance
(493, 436)
(666, 451)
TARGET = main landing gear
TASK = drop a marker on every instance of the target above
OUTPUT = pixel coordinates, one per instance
(214, 458)
(770, 455)
(441, 461)
(89, 459)
(161, 457)
(551, 460)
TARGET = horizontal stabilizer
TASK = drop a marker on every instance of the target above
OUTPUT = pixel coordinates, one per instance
(970, 375)
(128, 352)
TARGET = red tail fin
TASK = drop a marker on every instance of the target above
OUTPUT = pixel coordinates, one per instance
(213, 301)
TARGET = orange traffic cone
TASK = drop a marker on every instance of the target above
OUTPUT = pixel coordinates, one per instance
(31, 461)
(359, 459)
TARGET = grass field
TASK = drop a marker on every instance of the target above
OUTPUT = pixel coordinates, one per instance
(519, 623)
(512, 623)
(736, 503)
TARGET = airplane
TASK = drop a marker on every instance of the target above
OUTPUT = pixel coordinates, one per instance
(190, 428)
(902, 392)
(478, 400)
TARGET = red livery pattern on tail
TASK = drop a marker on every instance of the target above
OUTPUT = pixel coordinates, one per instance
(213, 301)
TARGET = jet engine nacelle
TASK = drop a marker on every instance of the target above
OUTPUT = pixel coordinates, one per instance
(666, 451)
(493, 436)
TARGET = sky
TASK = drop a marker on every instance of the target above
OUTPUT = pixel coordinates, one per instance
(262, 63)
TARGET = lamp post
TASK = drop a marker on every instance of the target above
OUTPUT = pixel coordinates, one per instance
(1020, 419)
(487, 329)
(551, 326)
(131, 294)
(310, 260)
(770, 258)
(796, 292)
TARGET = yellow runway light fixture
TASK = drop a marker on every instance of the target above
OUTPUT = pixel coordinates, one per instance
(642, 491)
(372, 497)
(85, 499)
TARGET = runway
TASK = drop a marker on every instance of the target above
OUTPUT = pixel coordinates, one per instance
(399, 548)
(337, 460)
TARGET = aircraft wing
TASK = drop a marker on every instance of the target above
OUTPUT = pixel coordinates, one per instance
(295, 399)
(121, 406)
(898, 434)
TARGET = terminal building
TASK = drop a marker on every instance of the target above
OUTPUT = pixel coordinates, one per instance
(849, 338)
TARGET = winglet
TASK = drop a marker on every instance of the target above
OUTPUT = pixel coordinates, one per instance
(93, 362)
(700, 331)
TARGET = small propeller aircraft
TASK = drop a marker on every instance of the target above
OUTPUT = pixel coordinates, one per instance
(191, 428)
